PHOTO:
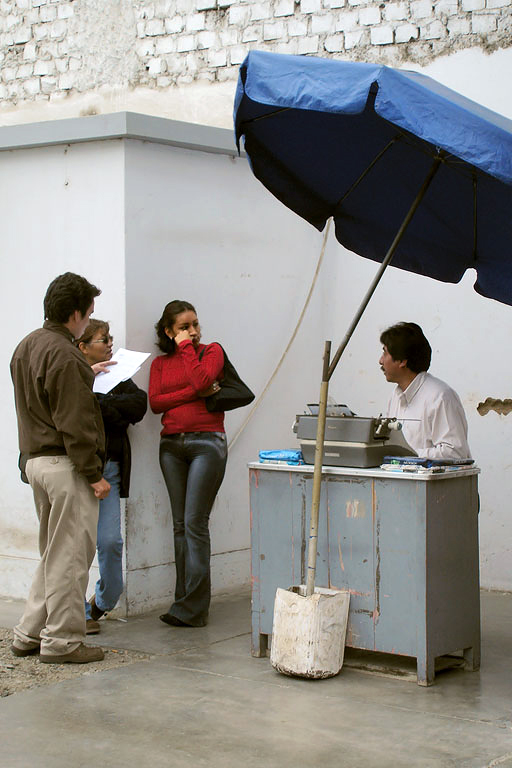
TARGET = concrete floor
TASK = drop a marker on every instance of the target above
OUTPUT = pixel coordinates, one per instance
(202, 700)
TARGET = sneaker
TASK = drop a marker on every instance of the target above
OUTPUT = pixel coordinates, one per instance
(81, 655)
(26, 650)
(92, 627)
(96, 612)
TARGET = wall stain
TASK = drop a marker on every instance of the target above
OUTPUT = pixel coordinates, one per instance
(340, 555)
(18, 541)
(502, 407)
(377, 571)
(355, 508)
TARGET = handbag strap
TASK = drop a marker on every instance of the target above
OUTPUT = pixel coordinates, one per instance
(226, 359)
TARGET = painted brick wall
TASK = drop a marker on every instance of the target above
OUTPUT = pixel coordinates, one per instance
(50, 48)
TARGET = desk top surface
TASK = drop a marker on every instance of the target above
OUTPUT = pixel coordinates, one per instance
(377, 472)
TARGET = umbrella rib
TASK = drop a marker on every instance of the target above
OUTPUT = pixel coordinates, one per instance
(475, 224)
(429, 150)
(366, 171)
(263, 117)
(400, 136)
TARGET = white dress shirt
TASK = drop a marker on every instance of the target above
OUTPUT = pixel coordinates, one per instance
(440, 429)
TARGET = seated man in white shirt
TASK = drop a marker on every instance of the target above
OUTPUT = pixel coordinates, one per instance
(434, 424)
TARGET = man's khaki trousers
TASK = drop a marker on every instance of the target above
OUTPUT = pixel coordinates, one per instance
(68, 517)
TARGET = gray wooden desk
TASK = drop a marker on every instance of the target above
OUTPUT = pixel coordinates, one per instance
(405, 546)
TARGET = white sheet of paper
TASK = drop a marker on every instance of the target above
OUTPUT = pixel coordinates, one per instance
(128, 363)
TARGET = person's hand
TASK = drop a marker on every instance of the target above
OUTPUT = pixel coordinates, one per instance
(103, 367)
(182, 336)
(101, 488)
(211, 390)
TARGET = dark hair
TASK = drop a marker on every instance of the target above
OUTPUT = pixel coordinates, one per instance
(67, 294)
(169, 315)
(406, 341)
(94, 326)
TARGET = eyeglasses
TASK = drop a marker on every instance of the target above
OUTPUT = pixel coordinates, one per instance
(104, 340)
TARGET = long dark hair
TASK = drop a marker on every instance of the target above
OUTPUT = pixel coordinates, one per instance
(169, 315)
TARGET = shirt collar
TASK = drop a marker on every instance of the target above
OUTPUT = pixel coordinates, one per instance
(413, 387)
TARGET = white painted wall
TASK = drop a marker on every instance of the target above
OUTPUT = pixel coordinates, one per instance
(146, 223)
(199, 228)
(61, 209)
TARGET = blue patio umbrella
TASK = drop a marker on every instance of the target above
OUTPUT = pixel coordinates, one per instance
(355, 141)
(408, 169)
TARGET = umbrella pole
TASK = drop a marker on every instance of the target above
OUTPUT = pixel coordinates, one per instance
(389, 255)
(317, 473)
(328, 370)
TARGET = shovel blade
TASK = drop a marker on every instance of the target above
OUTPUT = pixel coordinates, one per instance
(308, 635)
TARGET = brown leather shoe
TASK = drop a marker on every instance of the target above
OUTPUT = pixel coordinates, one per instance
(29, 650)
(92, 627)
(81, 655)
(96, 612)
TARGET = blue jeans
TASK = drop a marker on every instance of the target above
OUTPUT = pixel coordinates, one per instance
(193, 465)
(110, 545)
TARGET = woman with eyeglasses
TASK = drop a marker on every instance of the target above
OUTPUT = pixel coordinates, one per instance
(193, 452)
(124, 405)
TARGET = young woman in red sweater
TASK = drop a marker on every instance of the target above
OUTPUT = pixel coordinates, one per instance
(193, 452)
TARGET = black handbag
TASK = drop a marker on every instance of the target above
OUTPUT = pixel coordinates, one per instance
(233, 393)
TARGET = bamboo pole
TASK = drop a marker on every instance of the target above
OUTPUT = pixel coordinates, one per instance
(317, 473)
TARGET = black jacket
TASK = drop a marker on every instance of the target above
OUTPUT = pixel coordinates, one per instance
(126, 404)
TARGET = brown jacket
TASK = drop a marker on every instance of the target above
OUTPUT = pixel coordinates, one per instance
(57, 411)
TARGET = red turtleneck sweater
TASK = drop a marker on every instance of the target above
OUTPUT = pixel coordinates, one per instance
(174, 383)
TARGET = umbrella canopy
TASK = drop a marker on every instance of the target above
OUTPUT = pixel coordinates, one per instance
(355, 141)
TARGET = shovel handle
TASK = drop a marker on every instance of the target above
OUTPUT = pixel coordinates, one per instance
(317, 473)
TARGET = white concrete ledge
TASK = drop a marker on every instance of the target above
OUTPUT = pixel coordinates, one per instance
(119, 125)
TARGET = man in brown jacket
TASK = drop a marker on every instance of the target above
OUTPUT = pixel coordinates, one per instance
(62, 444)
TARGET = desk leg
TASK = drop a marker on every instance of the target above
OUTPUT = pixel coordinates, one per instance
(472, 658)
(426, 670)
(259, 643)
